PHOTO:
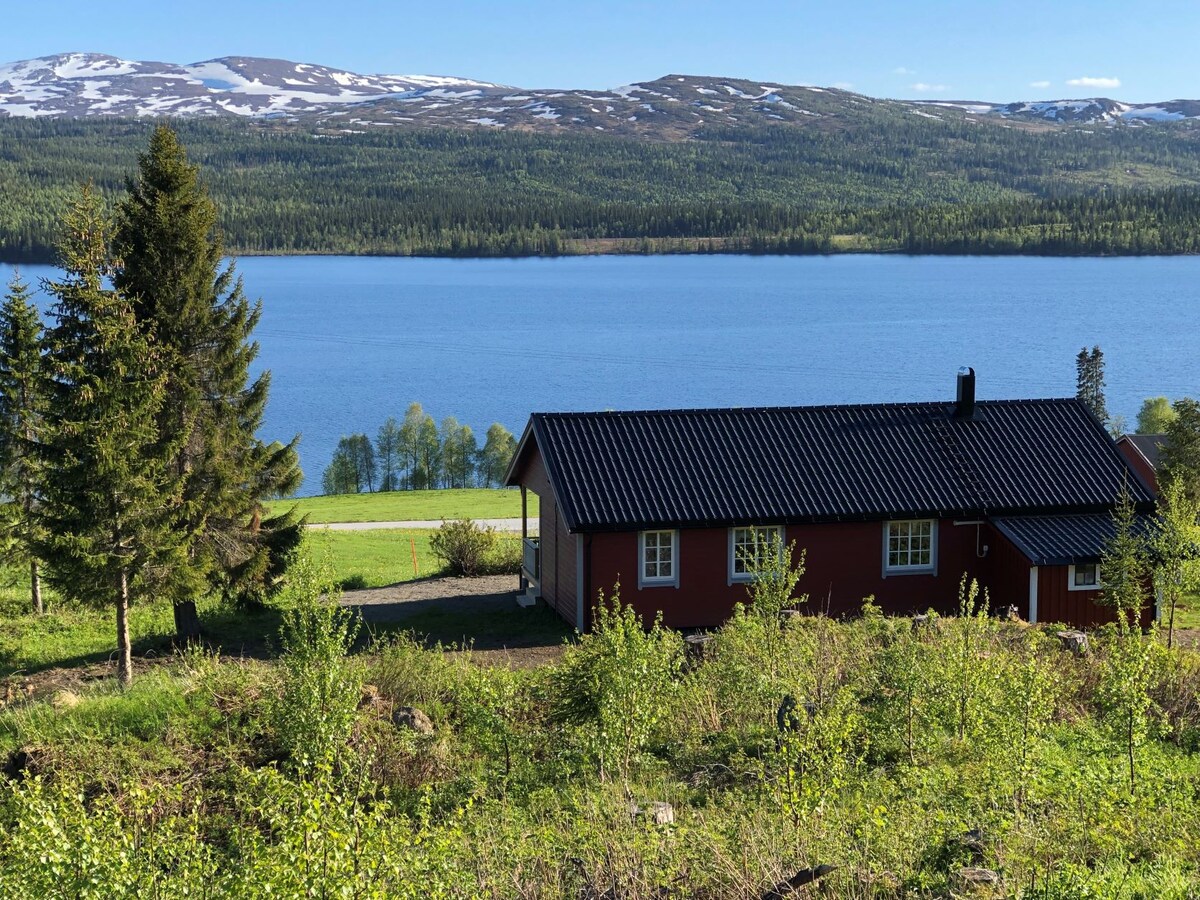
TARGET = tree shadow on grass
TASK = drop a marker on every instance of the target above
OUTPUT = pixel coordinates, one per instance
(232, 632)
(489, 622)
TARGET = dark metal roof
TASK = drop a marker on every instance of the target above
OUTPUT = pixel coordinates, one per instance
(1064, 540)
(1149, 445)
(616, 471)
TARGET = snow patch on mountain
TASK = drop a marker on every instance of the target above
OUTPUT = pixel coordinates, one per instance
(677, 106)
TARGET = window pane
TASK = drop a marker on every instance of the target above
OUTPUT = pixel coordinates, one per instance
(910, 544)
(657, 551)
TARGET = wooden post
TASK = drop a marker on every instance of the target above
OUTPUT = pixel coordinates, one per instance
(524, 583)
(413, 544)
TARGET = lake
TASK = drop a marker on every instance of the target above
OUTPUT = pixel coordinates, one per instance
(352, 340)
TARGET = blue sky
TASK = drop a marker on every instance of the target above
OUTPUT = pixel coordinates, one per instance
(1010, 50)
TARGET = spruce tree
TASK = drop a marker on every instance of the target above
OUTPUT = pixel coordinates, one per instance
(109, 515)
(21, 409)
(195, 310)
(1089, 381)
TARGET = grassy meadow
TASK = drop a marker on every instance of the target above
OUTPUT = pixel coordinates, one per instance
(415, 506)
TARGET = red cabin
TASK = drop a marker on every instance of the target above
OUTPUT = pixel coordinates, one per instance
(894, 500)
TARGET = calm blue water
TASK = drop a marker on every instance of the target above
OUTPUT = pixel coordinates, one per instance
(352, 340)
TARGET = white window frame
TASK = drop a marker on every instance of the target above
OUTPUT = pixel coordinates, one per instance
(736, 577)
(1072, 586)
(929, 568)
(671, 580)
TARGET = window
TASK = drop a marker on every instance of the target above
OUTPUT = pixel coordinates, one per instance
(659, 552)
(1085, 577)
(748, 548)
(909, 546)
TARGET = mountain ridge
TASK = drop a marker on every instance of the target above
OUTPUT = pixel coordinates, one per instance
(88, 85)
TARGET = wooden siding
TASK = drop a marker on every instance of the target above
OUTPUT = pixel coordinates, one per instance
(1056, 603)
(558, 585)
(844, 564)
(1006, 574)
(1139, 463)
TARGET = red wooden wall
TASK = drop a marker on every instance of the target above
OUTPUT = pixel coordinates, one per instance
(558, 563)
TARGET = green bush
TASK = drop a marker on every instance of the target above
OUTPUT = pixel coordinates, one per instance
(617, 684)
(464, 547)
(315, 708)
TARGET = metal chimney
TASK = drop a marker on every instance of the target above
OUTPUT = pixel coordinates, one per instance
(964, 406)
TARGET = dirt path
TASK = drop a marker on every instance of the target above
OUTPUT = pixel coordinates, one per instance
(388, 604)
(480, 612)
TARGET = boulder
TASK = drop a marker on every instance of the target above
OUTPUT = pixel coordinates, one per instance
(413, 719)
(976, 880)
(64, 699)
(924, 620)
(1075, 641)
(656, 813)
(789, 887)
(369, 697)
(21, 763)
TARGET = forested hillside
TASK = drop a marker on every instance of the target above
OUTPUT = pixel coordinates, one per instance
(885, 181)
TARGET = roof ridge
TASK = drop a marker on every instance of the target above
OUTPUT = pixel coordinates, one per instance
(901, 404)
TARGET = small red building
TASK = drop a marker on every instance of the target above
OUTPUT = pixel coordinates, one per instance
(894, 500)
(1143, 451)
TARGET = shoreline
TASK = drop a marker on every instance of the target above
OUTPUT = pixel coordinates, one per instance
(627, 247)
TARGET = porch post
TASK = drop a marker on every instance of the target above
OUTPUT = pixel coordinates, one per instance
(1033, 588)
(524, 537)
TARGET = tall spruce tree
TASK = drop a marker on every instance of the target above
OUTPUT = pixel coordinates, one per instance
(1089, 381)
(21, 409)
(109, 516)
(194, 309)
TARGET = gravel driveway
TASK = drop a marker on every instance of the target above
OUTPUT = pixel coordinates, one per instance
(478, 612)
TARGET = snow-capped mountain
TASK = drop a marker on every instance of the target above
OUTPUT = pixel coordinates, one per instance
(77, 85)
(89, 84)
(1086, 112)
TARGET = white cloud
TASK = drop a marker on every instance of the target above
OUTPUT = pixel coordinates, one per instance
(1040, 85)
(843, 85)
(1089, 81)
(903, 70)
(922, 88)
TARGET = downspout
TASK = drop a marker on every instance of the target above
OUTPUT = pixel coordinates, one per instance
(1033, 595)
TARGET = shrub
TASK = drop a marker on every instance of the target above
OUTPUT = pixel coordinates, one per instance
(465, 547)
(505, 558)
(314, 712)
(353, 583)
(617, 683)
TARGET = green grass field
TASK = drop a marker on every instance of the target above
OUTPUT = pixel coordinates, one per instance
(414, 506)
(1187, 612)
(73, 635)
(378, 557)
